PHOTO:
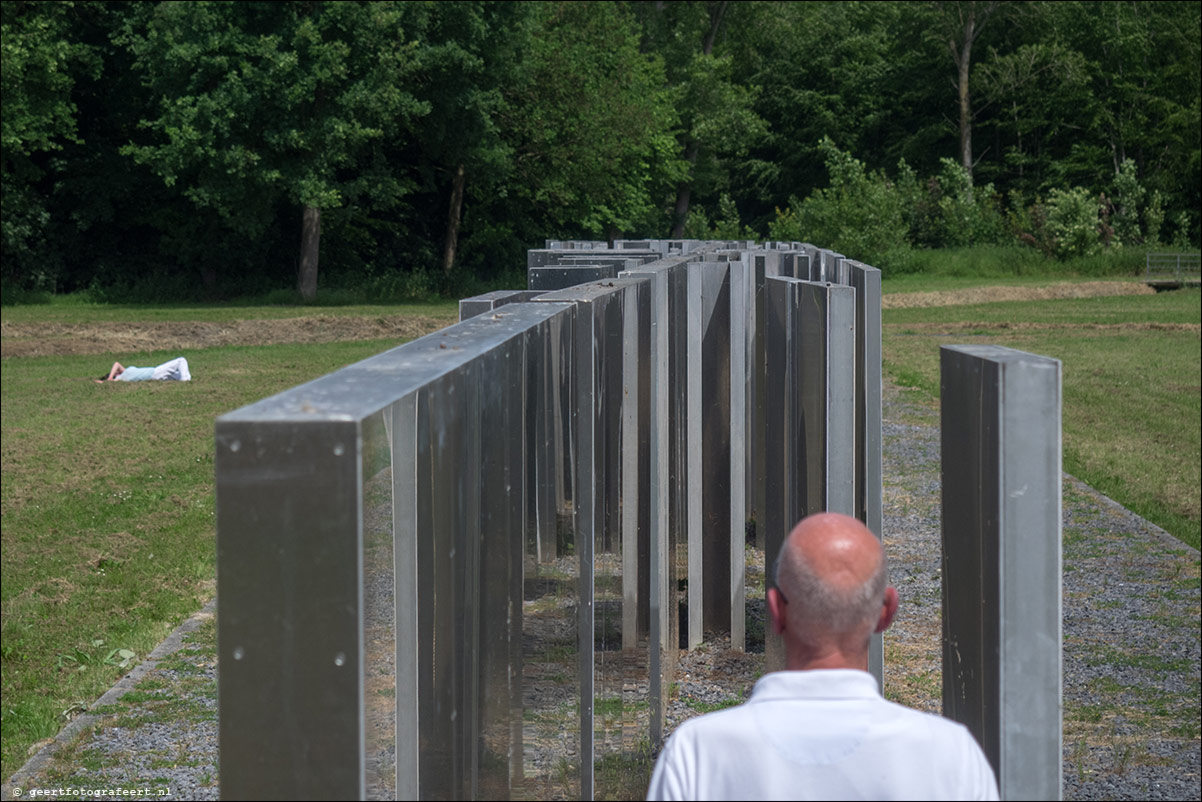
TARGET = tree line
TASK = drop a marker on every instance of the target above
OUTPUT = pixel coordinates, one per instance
(210, 149)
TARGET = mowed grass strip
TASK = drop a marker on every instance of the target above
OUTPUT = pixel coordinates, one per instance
(76, 309)
(1132, 378)
(108, 515)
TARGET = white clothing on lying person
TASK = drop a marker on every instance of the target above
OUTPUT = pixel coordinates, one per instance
(176, 370)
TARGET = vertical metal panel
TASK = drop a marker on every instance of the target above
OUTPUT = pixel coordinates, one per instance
(290, 632)
(740, 277)
(781, 490)
(827, 320)
(665, 338)
(715, 445)
(630, 468)
(1002, 560)
(811, 435)
(867, 283)
(405, 472)
(693, 451)
(598, 404)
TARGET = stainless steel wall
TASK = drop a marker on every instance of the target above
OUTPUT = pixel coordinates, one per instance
(455, 570)
(1001, 452)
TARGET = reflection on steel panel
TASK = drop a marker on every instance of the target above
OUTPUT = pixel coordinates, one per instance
(811, 433)
(290, 633)
(322, 490)
(733, 599)
(867, 283)
(1002, 560)
(526, 488)
(605, 662)
(714, 450)
(828, 341)
(666, 315)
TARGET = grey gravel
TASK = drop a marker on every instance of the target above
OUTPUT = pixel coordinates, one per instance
(1131, 650)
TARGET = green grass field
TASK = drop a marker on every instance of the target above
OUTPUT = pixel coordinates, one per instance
(1130, 383)
(107, 491)
(107, 500)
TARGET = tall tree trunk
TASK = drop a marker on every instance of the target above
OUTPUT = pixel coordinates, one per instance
(451, 243)
(684, 192)
(963, 23)
(964, 59)
(310, 246)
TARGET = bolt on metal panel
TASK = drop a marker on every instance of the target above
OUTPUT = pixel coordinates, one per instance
(289, 540)
(1001, 441)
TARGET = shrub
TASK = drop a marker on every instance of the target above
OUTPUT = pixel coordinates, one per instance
(1072, 222)
(860, 214)
(1128, 199)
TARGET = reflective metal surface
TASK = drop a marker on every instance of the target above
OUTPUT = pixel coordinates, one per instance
(867, 283)
(811, 456)
(457, 569)
(479, 304)
(1002, 560)
(557, 276)
(613, 664)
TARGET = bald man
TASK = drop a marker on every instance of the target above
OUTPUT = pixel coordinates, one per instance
(820, 729)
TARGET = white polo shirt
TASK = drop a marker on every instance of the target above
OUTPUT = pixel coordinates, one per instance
(823, 734)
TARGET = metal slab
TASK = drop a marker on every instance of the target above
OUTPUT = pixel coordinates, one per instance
(479, 304)
(557, 277)
(555, 250)
(1002, 639)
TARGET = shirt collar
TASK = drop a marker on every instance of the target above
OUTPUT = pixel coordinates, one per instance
(827, 683)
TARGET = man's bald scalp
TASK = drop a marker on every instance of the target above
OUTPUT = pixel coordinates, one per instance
(833, 573)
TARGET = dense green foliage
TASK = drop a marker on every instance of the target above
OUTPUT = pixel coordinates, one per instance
(171, 150)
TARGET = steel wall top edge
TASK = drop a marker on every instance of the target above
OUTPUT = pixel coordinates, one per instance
(666, 263)
(366, 387)
(999, 353)
(495, 295)
(624, 253)
(584, 293)
(792, 280)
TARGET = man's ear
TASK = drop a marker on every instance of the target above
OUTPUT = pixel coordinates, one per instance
(776, 607)
(888, 609)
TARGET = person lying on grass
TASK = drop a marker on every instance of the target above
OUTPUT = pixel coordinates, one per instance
(176, 369)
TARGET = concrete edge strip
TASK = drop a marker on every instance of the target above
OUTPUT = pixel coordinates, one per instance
(1166, 537)
(169, 646)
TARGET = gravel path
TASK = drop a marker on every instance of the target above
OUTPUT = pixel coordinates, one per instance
(1131, 654)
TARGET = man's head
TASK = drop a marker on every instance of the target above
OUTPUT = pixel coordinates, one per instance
(831, 593)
